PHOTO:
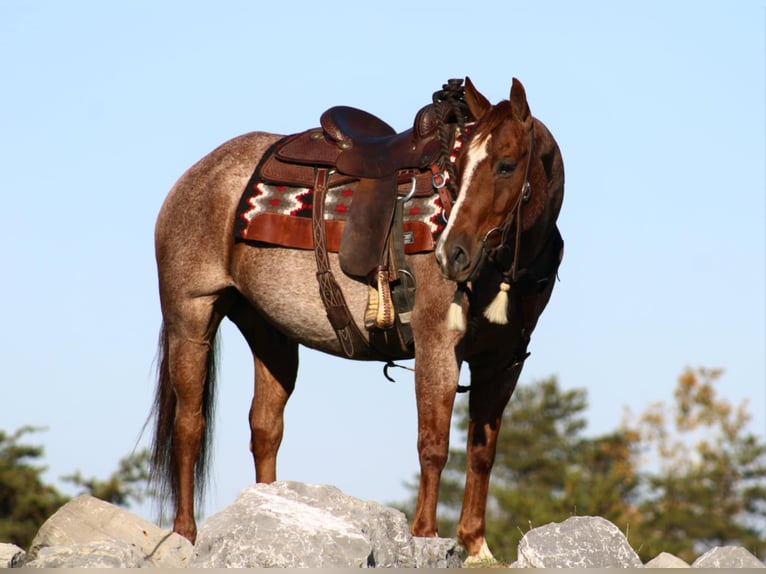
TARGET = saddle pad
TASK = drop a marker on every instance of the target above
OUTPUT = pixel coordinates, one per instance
(281, 215)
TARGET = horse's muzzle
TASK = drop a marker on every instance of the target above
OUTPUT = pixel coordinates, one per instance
(454, 261)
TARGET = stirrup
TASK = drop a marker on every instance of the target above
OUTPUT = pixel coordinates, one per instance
(380, 309)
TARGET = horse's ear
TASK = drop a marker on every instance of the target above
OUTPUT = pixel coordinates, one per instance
(477, 103)
(519, 101)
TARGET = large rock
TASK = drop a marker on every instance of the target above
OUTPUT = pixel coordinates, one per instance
(87, 523)
(578, 542)
(727, 557)
(294, 525)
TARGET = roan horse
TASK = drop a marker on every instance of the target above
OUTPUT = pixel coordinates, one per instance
(500, 247)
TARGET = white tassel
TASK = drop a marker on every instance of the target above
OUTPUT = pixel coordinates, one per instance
(455, 315)
(455, 319)
(497, 311)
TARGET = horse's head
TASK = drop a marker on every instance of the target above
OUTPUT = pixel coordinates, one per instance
(510, 160)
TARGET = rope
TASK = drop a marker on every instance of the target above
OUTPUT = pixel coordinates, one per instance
(452, 96)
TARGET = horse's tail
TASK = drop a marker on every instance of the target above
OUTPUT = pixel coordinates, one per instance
(163, 481)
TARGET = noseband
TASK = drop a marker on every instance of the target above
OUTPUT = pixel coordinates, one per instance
(514, 215)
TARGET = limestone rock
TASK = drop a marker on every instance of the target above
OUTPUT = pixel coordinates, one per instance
(578, 542)
(294, 525)
(666, 560)
(436, 553)
(86, 520)
(728, 557)
(11, 556)
(98, 554)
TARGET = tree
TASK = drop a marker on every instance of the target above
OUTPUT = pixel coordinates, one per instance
(706, 477)
(128, 482)
(25, 501)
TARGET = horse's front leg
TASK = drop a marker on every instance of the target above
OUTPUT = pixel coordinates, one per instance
(435, 386)
(435, 400)
(487, 401)
(437, 367)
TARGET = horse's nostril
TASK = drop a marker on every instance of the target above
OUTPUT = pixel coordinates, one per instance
(459, 258)
(453, 260)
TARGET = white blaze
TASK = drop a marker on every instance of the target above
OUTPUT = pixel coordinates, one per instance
(478, 151)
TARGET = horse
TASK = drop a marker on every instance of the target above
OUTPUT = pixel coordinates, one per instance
(492, 271)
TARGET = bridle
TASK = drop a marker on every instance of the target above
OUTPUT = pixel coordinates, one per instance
(452, 95)
(514, 215)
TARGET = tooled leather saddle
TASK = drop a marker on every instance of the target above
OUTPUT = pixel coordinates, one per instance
(385, 169)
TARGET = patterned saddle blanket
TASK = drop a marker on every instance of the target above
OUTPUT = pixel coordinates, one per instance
(281, 215)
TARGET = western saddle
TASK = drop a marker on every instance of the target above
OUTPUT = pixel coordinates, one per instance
(355, 146)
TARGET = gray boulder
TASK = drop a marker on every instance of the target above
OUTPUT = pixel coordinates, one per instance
(11, 556)
(87, 524)
(578, 542)
(294, 525)
(727, 557)
(435, 553)
(666, 560)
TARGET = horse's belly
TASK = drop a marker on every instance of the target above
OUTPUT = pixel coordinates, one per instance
(282, 286)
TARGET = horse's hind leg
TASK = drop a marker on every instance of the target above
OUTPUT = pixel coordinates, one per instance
(184, 404)
(276, 368)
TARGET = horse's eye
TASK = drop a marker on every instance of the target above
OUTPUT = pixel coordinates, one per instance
(505, 167)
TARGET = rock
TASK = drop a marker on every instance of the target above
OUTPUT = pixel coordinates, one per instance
(666, 560)
(578, 542)
(98, 554)
(436, 553)
(292, 524)
(87, 522)
(295, 525)
(728, 557)
(11, 556)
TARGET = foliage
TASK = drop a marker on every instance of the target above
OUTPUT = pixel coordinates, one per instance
(127, 483)
(706, 485)
(678, 479)
(26, 501)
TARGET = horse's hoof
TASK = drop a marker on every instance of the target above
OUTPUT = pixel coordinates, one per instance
(481, 559)
(189, 533)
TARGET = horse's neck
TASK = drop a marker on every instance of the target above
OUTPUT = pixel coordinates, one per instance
(546, 196)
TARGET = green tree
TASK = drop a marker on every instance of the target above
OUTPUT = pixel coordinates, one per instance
(706, 474)
(25, 501)
(128, 483)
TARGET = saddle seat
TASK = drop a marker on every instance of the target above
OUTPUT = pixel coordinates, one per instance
(370, 148)
(357, 146)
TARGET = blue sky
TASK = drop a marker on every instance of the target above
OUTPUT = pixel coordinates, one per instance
(658, 108)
